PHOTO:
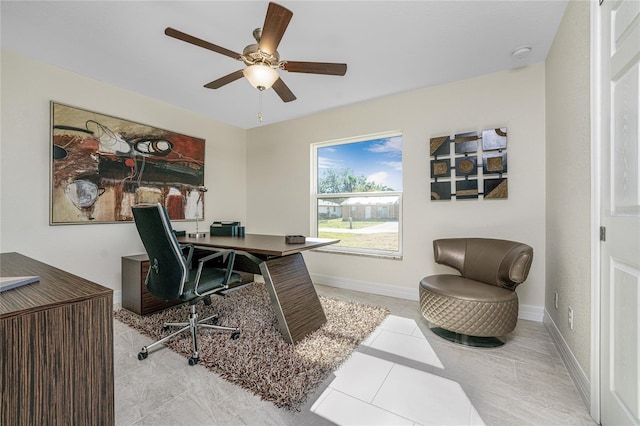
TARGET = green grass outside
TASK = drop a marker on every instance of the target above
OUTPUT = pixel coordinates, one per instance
(344, 224)
(377, 241)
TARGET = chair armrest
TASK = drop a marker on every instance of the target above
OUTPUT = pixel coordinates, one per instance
(450, 252)
(231, 257)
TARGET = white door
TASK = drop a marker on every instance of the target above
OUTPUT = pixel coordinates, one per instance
(620, 212)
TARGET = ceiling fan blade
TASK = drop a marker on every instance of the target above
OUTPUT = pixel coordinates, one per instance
(283, 91)
(275, 24)
(328, 68)
(171, 32)
(229, 78)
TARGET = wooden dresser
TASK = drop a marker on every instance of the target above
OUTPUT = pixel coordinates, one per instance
(56, 346)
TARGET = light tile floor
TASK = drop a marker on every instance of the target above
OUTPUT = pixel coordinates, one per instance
(402, 374)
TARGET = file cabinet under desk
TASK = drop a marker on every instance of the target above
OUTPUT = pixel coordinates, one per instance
(135, 296)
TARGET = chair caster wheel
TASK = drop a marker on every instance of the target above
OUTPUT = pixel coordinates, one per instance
(142, 355)
(214, 321)
(165, 327)
(235, 335)
(193, 361)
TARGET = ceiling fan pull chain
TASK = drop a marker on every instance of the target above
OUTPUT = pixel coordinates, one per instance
(260, 106)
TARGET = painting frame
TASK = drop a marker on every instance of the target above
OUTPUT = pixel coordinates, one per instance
(101, 165)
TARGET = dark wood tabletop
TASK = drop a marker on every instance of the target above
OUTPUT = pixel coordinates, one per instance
(270, 245)
(56, 287)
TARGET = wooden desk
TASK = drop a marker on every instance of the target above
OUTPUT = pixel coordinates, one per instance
(285, 274)
(56, 346)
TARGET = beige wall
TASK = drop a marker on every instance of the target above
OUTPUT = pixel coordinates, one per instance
(92, 251)
(278, 178)
(568, 165)
(263, 174)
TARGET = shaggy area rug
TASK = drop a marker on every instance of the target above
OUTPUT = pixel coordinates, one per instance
(260, 360)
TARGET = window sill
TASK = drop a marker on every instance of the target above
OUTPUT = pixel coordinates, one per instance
(359, 254)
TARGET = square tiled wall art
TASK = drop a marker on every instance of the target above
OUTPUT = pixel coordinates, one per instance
(467, 163)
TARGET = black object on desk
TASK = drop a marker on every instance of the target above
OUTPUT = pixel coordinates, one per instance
(226, 229)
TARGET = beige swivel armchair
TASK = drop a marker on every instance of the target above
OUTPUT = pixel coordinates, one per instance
(479, 306)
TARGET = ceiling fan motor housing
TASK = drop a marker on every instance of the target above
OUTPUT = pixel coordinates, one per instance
(253, 55)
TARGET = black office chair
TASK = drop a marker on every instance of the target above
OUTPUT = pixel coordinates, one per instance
(171, 277)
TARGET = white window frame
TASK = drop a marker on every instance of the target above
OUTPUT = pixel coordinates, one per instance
(315, 196)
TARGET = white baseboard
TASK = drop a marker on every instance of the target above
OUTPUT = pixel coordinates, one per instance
(531, 313)
(525, 312)
(573, 367)
(367, 286)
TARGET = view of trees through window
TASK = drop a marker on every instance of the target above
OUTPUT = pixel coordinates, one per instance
(344, 180)
(359, 194)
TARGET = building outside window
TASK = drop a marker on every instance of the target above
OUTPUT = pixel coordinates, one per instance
(357, 194)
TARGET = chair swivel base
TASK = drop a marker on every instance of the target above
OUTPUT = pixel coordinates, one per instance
(463, 339)
(191, 326)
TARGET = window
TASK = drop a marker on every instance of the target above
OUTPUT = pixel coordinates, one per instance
(357, 194)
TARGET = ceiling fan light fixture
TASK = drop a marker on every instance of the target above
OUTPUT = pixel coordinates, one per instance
(261, 76)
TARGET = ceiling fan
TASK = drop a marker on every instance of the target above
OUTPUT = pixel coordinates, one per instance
(262, 59)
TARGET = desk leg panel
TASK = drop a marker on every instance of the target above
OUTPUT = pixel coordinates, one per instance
(293, 296)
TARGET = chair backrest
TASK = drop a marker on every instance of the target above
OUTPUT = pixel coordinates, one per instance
(497, 262)
(168, 269)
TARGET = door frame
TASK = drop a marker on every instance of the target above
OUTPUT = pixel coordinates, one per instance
(596, 201)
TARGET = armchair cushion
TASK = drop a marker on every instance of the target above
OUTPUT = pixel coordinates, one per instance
(466, 289)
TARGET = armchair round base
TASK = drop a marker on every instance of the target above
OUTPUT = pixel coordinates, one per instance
(464, 339)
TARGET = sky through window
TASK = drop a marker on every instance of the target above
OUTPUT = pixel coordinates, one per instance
(379, 160)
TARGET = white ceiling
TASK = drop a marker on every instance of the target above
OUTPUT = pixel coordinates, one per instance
(389, 46)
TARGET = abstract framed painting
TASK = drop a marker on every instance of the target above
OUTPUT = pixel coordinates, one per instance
(102, 165)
